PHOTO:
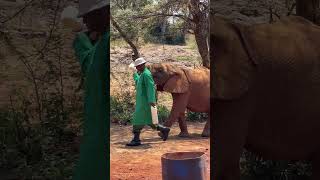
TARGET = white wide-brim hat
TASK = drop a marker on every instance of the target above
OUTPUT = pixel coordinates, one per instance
(86, 6)
(138, 62)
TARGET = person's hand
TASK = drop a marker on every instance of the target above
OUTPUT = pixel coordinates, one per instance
(153, 104)
(94, 35)
(132, 68)
(70, 20)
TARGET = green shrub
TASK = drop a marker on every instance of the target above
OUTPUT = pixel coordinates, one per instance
(30, 149)
(196, 116)
(161, 31)
(184, 58)
(163, 113)
(124, 20)
(122, 108)
(253, 167)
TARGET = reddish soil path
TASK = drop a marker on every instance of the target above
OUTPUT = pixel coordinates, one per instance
(144, 162)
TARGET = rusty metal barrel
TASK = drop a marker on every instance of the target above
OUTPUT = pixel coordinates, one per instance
(183, 166)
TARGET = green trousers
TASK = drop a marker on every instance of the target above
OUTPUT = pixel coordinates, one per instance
(138, 128)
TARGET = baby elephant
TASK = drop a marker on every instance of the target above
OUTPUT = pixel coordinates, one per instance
(190, 89)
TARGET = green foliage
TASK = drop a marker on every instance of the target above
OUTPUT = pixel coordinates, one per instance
(253, 167)
(124, 13)
(175, 33)
(130, 4)
(37, 150)
(191, 42)
(184, 58)
(158, 30)
(163, 113)
(127, 24)
(196, 116)
(122, 107)
(154, 29)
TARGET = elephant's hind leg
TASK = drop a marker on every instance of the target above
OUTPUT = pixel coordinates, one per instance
(183, 126)
(316, 167)
(179, 105)
(230, 125)
(226, 161)
(206, 130)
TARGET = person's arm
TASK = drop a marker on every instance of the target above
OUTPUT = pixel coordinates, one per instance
(83, 50)
(136, 78)
(151, 92)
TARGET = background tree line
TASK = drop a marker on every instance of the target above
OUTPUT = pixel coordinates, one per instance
(165, 21)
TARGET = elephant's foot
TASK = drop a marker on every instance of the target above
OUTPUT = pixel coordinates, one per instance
(184, 134)
(205, 134)
(316, 167)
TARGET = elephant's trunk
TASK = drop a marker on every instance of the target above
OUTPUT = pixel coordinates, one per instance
(160, 87)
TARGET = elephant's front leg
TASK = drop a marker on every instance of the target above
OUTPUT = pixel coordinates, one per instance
(230, 125)
(180, 101)
(183, 126)
(316, 166)
(179, 104)
(206, 129)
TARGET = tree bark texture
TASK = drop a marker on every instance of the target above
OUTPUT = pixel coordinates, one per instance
(201, 30)
(136, 53)
(308, 9)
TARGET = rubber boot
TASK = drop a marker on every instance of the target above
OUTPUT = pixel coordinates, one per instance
(136, 140)
(165, 132)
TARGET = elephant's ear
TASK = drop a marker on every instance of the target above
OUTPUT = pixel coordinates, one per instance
(149, 66)
(177, 84)
(231, 67)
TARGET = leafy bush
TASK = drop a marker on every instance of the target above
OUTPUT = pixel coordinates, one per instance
(36, 150)
(253, 167)
(127, 24)
(196, 116)
(163, 113)
(122, 108)
(160, 31)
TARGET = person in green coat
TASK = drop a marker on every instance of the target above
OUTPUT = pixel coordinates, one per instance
(145, 98)
(92, 50)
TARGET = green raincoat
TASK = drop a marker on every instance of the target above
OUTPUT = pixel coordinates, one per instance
(145, 94)
(94, 150)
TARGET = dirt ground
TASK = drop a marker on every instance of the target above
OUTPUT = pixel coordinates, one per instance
(144, 162)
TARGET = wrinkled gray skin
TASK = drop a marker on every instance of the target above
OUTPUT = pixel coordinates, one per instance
(190, 89)
(266, 93)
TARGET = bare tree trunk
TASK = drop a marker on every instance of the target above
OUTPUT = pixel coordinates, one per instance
(123, 35)
(307, 9)
(201, 40)
(201, 29)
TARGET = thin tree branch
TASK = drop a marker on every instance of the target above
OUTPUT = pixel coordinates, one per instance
(17, 13)
(146, 16)
(291, 9)
(52, 27)
(124, 36)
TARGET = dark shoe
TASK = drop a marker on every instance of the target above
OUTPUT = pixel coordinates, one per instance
(134, 143)
(136, 140)
(164, 132)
